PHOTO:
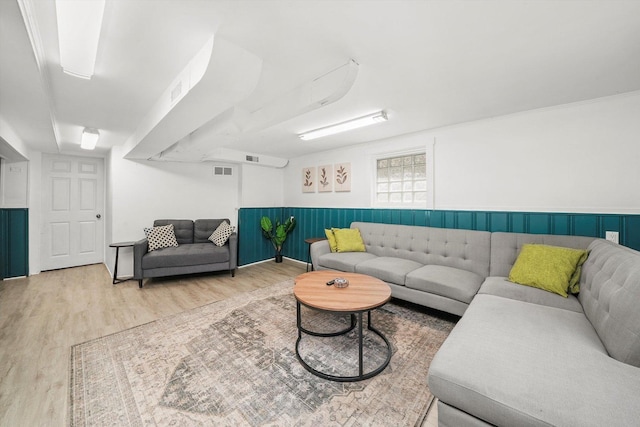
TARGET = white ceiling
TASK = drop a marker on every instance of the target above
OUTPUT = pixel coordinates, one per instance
(428, 63)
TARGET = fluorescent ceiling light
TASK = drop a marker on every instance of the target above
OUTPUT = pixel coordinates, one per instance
(89, 138)
(79, 24)
(359, 122)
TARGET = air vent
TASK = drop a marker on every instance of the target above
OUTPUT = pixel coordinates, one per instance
(219, 170)
(252, 159)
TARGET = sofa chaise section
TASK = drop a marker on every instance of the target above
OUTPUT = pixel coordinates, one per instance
(523, 356)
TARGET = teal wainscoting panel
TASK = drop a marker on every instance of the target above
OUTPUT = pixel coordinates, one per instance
(311, 222)
(482, 221)
(630, 234)
(421, 217)
(4, 244)
(252, 246)
(450, 220)
(407, 217)
(585, 225)
(611, 223)
(540, 223)
(437, 219)
(560, 224)
(498, 221)
(518, 222)
(14, 242)
(466, 220)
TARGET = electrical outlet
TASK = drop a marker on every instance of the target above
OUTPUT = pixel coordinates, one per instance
(611, 236)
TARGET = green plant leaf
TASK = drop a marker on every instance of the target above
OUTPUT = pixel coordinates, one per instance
(266, 225)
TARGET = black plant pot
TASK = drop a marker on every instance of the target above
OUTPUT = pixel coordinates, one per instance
(278, 257)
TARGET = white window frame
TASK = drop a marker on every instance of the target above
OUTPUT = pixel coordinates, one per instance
(428, 151)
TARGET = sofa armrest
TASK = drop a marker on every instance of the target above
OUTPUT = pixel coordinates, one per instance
(140, 248)
(233, 251)
(318, 249)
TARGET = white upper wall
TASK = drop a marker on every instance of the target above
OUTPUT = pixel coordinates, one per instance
(14, 180)
(261, 186)
(362, 158)
(139, 192)
(574, 158)
(578, 157)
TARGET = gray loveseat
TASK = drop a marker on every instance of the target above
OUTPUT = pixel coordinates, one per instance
(194, 254)
(520, 356)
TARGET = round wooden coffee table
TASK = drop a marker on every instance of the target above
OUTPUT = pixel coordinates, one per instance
(364, 293)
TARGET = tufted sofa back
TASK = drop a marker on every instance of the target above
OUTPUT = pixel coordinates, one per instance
(203, 228)
(505, 247)
(464, 249)
(610, 295)
(182, 227)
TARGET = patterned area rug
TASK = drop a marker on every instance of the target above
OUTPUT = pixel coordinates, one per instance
(233, 363)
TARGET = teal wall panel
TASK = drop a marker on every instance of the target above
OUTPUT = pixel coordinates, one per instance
(252, 246)
(560, 224)
(540, 223)
(311, 222)
(4, 244)
(498, 221)
(14, 243)
(585, 225)
(631, 231)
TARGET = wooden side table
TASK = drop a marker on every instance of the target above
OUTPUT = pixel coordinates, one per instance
(119, 245)
(364, 294)
(309, 241)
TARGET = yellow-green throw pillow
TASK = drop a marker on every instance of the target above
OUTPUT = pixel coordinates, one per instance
(546, 267)
(332, 239)
(574, 285)
(348, 240)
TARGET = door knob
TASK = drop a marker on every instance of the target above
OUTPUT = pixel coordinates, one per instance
(98, 216)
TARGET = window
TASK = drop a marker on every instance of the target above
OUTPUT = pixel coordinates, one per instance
(402, 180)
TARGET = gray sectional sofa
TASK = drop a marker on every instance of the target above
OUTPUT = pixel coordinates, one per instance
(519, 356)
(436, 267)
(194, 254)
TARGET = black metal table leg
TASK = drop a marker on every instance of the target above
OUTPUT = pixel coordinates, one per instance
(115, 269)
(119, 245)
(361, 374)
(360, 367)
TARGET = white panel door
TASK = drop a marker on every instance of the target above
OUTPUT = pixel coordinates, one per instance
(72, 207)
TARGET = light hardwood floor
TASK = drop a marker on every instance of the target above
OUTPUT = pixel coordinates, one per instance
(42, 316)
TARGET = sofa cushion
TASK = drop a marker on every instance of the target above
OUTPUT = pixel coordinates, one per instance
(449, 282)
(513, 363)
(182, 227)
(332, 239)
(546, 267)
(505, 247)
(344, 261)
(184, 255)
(203, 228)
(161, 237)
(389, 269)
(501, 287)
(220, 236)
(609, 294)
(348, 240)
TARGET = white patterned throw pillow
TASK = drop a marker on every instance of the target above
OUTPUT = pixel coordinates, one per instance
(162, 237)
(222, 233)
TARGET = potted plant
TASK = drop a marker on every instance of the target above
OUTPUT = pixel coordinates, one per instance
(279, 235)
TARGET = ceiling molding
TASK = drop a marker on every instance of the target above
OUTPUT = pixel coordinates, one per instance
(31, 24)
